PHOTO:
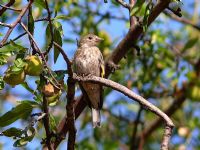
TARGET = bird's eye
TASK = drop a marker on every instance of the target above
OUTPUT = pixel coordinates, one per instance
(90, 37)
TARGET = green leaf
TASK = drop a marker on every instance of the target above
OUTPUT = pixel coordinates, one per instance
(52, 123)
(40, 3)
(32, 103)
(13, 132)
(17, 47)
(58, 39)
(58, 26)
(20, 111)
(19, 63)
(1, 83)
(24, 140)
(148, 10)
(48, 35)
(63, 17)
(17, 67)
(30, 23)
(190, 44)
(137, 7)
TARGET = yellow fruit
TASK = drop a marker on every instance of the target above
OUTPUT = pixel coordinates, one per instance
(33, 66)
(183, 131)
(14, 78)
(48, 90)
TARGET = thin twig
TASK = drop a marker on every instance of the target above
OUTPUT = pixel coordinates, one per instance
(68, 62)
(10, 8)
(41, 19)
(143, 102)
(3, 9)
(16, 38)
(123, 3)
(183, 20)
(5, 25)
(133, 138)
(15, 23)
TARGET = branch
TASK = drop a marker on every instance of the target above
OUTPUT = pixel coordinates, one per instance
(124, 4)
(64, 125)
(16, 38)
(70, 100)
(133, 19)
(46, 124)
(68, 62)
(145, 104)
(133, 138)
(15, 23)
(7, 7)
(182, 20)
(5, 25)
(3, 9)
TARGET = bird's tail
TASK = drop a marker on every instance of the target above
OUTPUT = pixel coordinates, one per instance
(96, 118)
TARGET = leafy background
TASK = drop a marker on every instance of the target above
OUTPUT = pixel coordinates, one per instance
(166, 71)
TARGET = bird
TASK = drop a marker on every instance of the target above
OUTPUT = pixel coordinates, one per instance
(88, 60)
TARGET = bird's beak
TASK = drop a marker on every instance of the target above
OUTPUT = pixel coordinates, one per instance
(98, 39)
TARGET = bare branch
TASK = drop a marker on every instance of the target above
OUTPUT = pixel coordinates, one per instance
(134, 133)
(14, 9)
(123, 3)
(68, 62)
(16, 38)
(5, 25)
(41, 19)
(15, 23)
(183, 20)
(145, 104)
(10, 3)
(133, 19)
(70, 100)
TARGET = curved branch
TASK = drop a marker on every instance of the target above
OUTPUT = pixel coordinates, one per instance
(146, 104)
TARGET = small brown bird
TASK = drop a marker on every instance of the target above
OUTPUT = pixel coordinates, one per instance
(88, 60)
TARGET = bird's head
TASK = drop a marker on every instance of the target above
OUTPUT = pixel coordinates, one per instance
(90, 40)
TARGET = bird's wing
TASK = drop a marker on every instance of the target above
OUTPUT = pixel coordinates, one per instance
(102, 74)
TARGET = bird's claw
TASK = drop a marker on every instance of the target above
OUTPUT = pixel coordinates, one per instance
(113, 67)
